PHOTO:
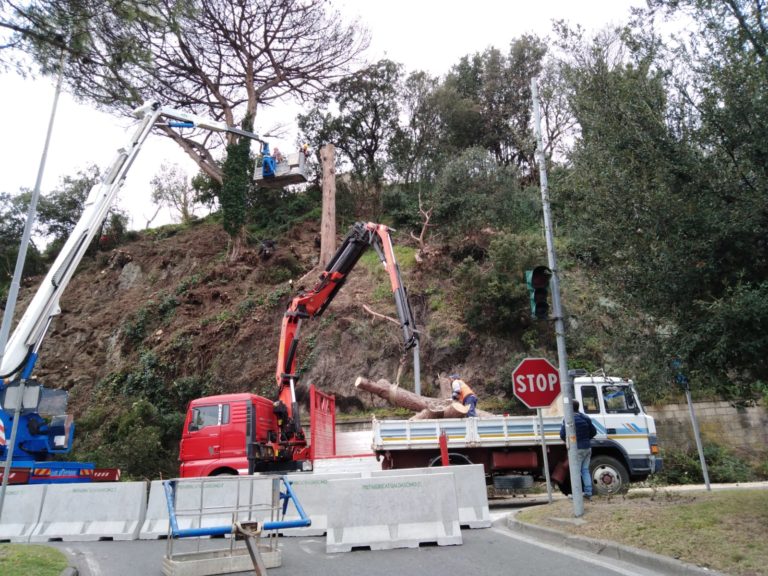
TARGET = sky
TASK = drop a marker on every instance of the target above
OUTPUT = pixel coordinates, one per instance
(428, 35)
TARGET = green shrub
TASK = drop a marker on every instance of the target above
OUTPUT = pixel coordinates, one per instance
(684, 466)
(495, 291)
(187, 283)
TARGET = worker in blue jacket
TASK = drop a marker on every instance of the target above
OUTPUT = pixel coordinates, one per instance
(585, 431)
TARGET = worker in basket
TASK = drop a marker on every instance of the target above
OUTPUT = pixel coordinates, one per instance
(464, 394)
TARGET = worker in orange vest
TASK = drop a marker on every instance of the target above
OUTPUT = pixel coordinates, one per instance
(464, 394)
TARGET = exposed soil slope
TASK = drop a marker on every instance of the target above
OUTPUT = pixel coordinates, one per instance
(172, 296)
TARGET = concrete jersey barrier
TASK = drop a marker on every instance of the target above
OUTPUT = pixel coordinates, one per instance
(312, 491)
(87, 512)
(392, 512)
(471, 492)
(21, 512)
(205, 502)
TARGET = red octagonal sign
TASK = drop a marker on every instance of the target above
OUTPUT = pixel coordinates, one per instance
(536, 382)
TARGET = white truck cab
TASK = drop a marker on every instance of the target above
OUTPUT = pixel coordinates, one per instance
(622, 426)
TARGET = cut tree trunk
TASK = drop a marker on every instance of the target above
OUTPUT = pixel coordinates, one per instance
(425, 408)
(393, 394)
(328, 220)
(445, 409)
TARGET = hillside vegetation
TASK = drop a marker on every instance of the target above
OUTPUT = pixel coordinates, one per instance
(166, 317)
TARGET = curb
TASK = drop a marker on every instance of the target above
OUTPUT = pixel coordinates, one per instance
(609, 549)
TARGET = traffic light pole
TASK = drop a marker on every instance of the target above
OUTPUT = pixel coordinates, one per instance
(565, 382)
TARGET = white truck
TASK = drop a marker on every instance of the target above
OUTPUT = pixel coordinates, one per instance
(624, 450)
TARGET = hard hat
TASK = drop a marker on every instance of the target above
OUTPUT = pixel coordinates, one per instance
(456, 385)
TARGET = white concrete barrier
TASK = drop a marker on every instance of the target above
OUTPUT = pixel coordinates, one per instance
(156, 522)
(392, 512)
(362, 464)
(471, 492)
(311, 490)
(21, 512)
(205, 502)
(87, 512)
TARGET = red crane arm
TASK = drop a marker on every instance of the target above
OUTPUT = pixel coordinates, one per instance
(313, 303)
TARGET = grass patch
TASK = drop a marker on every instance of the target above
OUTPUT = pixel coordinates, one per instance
(724, 531)
(24, 559)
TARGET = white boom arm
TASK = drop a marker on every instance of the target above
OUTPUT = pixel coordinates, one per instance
(23, 345)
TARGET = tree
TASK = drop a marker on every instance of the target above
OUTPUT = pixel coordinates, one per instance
(487, 102)
(171, 188)
(13, 215)
(97, 39)
(669, 185)
(238, 172)
(59, 211)
(366, 122)
(415, 151)
(473, 192)
(218, 58)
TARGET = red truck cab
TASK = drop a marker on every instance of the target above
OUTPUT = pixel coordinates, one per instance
(216, 433)
(235, 434)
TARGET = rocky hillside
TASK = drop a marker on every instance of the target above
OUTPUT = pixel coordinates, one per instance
(165, 318)
(171, 293)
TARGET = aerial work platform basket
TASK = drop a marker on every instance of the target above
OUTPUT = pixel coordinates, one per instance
(278, 170)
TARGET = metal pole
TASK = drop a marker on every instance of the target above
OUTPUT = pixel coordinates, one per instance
(416, 370)
(16, 282)
(562, 356)
(696, 434)
(544, 453)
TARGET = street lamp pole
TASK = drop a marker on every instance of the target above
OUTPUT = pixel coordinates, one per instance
(13, 291)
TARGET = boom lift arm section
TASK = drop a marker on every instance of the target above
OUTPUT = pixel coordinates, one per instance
(21, 351)
(313, 303)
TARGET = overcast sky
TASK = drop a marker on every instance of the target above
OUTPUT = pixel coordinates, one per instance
(426, 35)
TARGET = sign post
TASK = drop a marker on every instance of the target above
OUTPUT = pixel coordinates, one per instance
(536, 383)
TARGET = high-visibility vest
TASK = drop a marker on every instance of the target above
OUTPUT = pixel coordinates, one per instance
(464, 391)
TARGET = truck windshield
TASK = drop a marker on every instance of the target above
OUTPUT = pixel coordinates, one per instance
(619, 399)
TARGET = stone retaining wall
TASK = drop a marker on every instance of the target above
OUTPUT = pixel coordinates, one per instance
(741, 429)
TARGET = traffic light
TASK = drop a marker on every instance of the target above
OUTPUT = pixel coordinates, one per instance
(538, 289)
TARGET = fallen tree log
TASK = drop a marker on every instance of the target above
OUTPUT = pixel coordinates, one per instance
(393, 394)
(442, 409)
(425, 408)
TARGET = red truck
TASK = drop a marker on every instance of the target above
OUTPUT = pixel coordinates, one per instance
(245, 433)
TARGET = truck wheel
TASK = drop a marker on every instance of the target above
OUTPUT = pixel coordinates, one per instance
(454, 459)
(609, 476)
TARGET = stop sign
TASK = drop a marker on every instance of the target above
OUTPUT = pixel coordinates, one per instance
(536, 382)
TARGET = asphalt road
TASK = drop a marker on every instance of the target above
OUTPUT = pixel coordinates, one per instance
(495, 550)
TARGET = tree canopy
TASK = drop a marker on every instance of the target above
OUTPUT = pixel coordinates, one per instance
(219, 58)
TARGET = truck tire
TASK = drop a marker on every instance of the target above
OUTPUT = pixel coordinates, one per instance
(454, 459)
(609, 476)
